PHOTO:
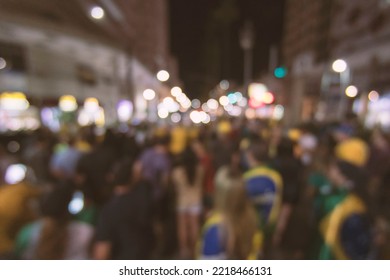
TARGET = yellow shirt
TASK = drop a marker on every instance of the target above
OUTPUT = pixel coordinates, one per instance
(178, 140)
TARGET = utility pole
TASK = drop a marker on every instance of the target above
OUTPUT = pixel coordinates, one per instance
(247, 42)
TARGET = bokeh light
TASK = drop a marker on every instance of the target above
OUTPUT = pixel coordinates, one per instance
(224, 100)
(97, 12)
(91, 105)
(373, 96)
(3, 63)
(351, 91)
(339, 66)
(149, 94)
(163, 113)
(67, 103)
(224, 85)
(268, 98)
(76, 205)
(196, 104)
(163, 75)
(175, 91)
(15, 174)
(124, 110)
(212, 104)
(175, 117)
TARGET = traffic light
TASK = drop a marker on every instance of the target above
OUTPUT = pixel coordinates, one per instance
(280, 72)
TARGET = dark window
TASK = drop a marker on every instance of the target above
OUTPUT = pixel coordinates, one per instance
(14, 55)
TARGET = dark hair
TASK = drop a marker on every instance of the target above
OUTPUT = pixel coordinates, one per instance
(259, 150)
(189, 161)
(54, 204)
(110, 139)
(122, 172)
(285, 148)
(53, 236)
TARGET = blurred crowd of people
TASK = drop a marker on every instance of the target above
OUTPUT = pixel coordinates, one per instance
(234, 189)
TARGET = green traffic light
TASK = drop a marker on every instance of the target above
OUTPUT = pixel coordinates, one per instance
(280, 72)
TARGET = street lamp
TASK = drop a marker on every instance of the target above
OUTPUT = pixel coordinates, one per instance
(341, 66)
(246, 42)
(97, 12)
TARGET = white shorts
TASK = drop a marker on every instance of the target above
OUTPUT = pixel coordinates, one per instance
(192, 210)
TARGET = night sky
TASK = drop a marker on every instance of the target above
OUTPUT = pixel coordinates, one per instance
(205, 39)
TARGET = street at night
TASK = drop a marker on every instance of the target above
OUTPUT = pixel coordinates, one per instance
(194, 130)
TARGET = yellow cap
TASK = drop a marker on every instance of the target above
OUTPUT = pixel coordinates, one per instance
(354, 151)
(224, 127)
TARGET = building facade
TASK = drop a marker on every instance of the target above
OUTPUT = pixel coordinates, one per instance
(319, 32)
(54, 48)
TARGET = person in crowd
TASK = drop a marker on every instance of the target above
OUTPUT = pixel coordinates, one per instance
(288, 236)
(345, 226)
(350, 148)
(378, 162)
(154, 167)
(231, 231)
(124, 230)
(37, 155)
(63, 162)
(206, 160)
(55, 236)
(83, 141)
(264, 186)
(188, 178)
(228, 176)
(223, 145)
(17, 205)
(179, 138)
(308, 144)
(318, 192)
(93, 168)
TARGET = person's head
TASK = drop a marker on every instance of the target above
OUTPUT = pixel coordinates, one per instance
(121, 173)
(257, 153)
(285, 148)
(109, 138)
(55, 203)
